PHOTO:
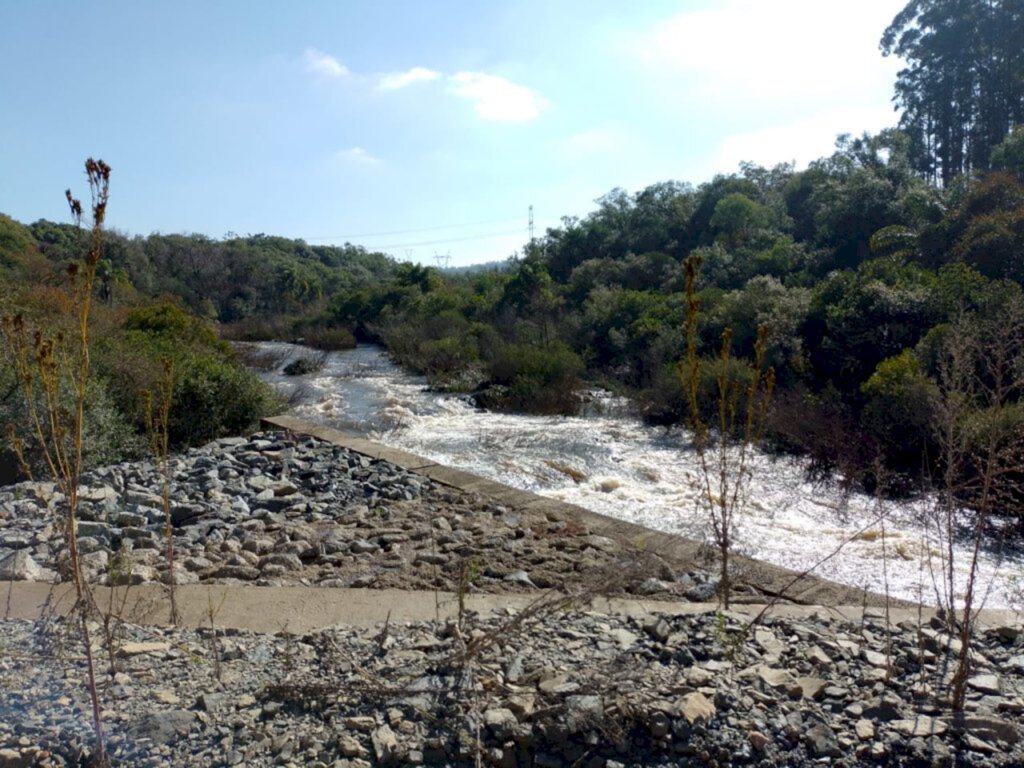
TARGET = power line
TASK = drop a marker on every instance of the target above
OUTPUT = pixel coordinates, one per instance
(411, 231)
(447, 240)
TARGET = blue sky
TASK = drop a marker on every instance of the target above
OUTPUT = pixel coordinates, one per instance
(417, 127)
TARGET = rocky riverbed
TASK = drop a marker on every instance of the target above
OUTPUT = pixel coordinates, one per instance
(554, 684)
(274, 509)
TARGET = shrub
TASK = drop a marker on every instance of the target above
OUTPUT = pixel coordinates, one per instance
(326, 338)
(535, 380)
(899, 410)
(305, 364)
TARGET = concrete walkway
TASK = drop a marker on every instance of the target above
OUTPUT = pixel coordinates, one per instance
(305, 609)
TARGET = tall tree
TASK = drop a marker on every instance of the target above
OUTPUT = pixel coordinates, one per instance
(962, 90)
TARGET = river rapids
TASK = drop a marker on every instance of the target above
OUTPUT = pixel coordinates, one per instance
(608, 461)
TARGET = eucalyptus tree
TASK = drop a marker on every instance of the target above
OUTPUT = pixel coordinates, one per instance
(962, 89)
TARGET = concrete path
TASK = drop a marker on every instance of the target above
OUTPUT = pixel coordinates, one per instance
(305, 609)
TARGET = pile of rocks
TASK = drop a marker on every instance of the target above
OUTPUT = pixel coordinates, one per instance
(545, 688)
(273, 509)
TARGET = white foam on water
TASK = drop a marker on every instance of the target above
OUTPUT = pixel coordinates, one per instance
(617, 466)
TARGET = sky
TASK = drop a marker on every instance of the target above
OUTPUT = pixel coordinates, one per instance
(426, 130)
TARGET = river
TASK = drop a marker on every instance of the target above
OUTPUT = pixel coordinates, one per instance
(608, 461)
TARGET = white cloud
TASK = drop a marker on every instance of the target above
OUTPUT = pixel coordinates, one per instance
(751, 51)
(497, 99)
(357, 155)
(395, 80)
(800, 141)
(321, 63)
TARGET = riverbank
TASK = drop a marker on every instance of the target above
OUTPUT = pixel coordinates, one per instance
(314, 506)
(491, 627)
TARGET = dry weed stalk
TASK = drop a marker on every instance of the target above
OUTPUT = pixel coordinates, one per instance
(980, 375)
(41, 365)
(725, 454)
(158, 419)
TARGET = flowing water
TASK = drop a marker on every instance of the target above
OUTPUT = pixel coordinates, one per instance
(608, 461)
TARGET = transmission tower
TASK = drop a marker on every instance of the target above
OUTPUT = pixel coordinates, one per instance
(442, 259)
(531, 227)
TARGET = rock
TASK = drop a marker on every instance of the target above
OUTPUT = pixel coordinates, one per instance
(137, 649)
(583, 712)
(1007, 632)
(817, 656)
(992, 728)
(985, 684)
(882, 708)
(811, 687)
(20, 566)
(652, 586)
(874, 658)
(623, 638)
(658, 628)
(163, 726)
(775, 679)
(821, 741)
(602, 543)
(695, 708)
(350, 747)
(520, 577)
(702, 593)
(758, 740)
(502, 722)
(864, 729)
(385, 745)
(13, 758)
(921, 725)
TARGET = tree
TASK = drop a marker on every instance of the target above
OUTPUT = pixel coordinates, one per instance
(963, 87)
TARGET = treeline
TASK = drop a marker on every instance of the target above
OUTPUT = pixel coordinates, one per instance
(137, 340)
(253, 285)
(857, 266)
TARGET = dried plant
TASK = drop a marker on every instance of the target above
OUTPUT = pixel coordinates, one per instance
(724, 453)
(47, 366)
(157, 407)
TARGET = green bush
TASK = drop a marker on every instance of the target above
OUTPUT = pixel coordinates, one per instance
(108, 435)
(535, 380)
(327, 338)
(213, 394)
(446, 361)
(898, 411)
(214, 397)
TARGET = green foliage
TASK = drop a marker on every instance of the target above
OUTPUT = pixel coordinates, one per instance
(213, 394)
(16, 244)
(213, 397)
(900, 410)
(528, 378)
(737, 218)
(963, 83)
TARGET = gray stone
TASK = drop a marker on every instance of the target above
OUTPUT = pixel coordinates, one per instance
(992, 728)
(502, 722)
(583, 712)
(985, 684)
(821, 741)
(657, 628)
(162, 727)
